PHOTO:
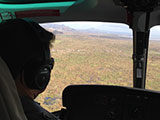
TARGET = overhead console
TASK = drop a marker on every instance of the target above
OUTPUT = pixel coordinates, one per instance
(98, 102)
(138, 5)
(138, 10)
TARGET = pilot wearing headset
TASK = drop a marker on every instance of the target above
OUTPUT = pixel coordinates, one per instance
(25, 49)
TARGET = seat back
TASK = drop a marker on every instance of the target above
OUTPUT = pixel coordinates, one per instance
(10, 105)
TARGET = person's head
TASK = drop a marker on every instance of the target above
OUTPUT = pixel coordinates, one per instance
(25, 48)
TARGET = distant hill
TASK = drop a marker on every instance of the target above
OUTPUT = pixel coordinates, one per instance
(58, 27)
(61, 29)
(113, 36)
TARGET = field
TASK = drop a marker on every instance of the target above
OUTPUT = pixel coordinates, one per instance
(82, 58)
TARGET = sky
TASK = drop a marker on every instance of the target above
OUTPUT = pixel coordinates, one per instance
(97, 25)
(111, 27)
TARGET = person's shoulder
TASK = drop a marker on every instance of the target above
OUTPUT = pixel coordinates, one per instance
(29, 105)
(49, 116)
(34, 111)
(40, 116)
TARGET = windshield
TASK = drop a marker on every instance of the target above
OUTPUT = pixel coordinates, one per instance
(88, 53)
(153, 74)
(95, 53)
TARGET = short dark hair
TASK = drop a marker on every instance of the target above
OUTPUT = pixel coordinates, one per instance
(20, 41)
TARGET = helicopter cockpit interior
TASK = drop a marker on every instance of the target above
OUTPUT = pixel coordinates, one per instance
(102, 102)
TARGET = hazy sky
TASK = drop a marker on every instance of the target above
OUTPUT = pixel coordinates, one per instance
(112, 27)
(97, 25)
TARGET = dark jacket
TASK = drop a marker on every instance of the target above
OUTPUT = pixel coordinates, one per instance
(34, 111)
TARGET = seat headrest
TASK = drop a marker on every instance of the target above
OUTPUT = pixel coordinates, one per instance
(10, 105)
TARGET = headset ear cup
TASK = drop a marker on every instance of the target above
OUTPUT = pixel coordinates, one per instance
(30, 71)
(37, 73)
(36, 76)
(43, 77)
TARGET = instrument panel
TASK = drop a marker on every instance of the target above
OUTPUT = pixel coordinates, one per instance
(102, 102)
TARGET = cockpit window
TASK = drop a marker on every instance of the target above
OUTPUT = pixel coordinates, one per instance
(153, 74)
(88, 53)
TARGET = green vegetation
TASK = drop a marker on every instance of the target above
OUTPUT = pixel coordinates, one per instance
(85, 59)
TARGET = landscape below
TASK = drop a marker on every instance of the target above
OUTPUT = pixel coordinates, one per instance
(94, 58)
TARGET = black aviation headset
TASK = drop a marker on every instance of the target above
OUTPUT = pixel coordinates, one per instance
(37, 71)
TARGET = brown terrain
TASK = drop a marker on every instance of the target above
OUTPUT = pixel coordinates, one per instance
(94, 58)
